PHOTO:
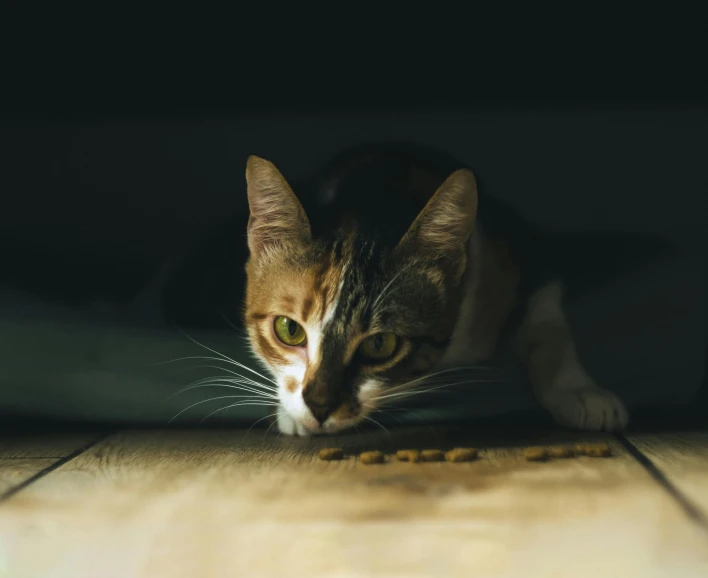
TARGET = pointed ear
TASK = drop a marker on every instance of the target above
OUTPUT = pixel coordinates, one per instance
(277, 217)
(446, 223)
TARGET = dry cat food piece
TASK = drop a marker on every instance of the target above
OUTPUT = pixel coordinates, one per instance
(535, 454)
(598, 450)
(408, 455)
(328, 454)
(371, 457)
(432, 456)
(561, 452)
(461, 455)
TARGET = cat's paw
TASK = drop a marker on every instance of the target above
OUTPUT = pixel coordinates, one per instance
(587, 408)
(289, 427)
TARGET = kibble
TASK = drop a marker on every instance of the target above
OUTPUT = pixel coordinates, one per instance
(598, 451)
(371, 457)
(329, 454)
(408, 455)
(581, 449)
(535, 454)
(432, 456)
(461, 455)
(561, 452)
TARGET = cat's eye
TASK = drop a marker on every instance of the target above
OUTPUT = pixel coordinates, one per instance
(288, 331)
(379, 347)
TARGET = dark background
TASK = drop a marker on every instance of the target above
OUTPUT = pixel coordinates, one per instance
(108, 199)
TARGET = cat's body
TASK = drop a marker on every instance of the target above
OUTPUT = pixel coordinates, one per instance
(396, 270)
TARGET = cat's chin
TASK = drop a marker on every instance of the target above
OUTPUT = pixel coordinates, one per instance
(288, 426)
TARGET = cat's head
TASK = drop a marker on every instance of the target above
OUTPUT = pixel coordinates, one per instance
(344, 319)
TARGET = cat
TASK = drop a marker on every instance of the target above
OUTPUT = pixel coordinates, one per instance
(399, 269)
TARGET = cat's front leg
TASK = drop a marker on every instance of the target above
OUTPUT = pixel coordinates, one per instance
(287, 425)
(560, 382)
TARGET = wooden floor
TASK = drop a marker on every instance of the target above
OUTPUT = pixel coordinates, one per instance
(203, 503)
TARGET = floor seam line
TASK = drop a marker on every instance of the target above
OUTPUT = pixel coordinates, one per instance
(692, 510)
(31, 457)
(5, 496)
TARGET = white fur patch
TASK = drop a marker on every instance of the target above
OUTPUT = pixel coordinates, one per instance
(368, 391)
(288, 426)
(562, 385)
(545, 306)
(294, 405)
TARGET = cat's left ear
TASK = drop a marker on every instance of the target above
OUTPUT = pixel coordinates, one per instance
(277, 217)
(444, 226)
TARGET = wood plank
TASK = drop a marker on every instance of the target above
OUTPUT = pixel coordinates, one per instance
(683, 459)
(44, 445)
(15, 471)
(215, 503)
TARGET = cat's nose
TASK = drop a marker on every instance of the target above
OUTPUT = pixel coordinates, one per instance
(320, 411)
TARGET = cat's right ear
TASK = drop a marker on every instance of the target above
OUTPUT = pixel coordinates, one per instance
(277, 217)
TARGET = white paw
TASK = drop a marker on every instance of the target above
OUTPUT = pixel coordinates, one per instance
(587, 408)
(288, 426)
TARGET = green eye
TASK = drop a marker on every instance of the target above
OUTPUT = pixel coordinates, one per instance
(288, 331)
(379, 346)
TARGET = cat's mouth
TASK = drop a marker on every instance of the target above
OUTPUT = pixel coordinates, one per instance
(289, 426)
(330, 426)
(313, 419)
(306, 424)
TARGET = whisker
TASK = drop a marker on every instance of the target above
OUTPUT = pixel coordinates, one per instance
(247, 379)
(417, 417)
(377, 423)
(213, 359)
(374, 408)
(432, 375)
(232, 325)
(435, 378)
(424, 378)
(238, 379)
(230, 379)
(413, 392)
(411, 386)
(412, 415)
(207, 400)
(226, 357)
(434, 382)
(215, 383)
(277, 414)
(184, 358)
(241, 381)
(261, 419)
(246, 385)
(384, 412)
(237, 404)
